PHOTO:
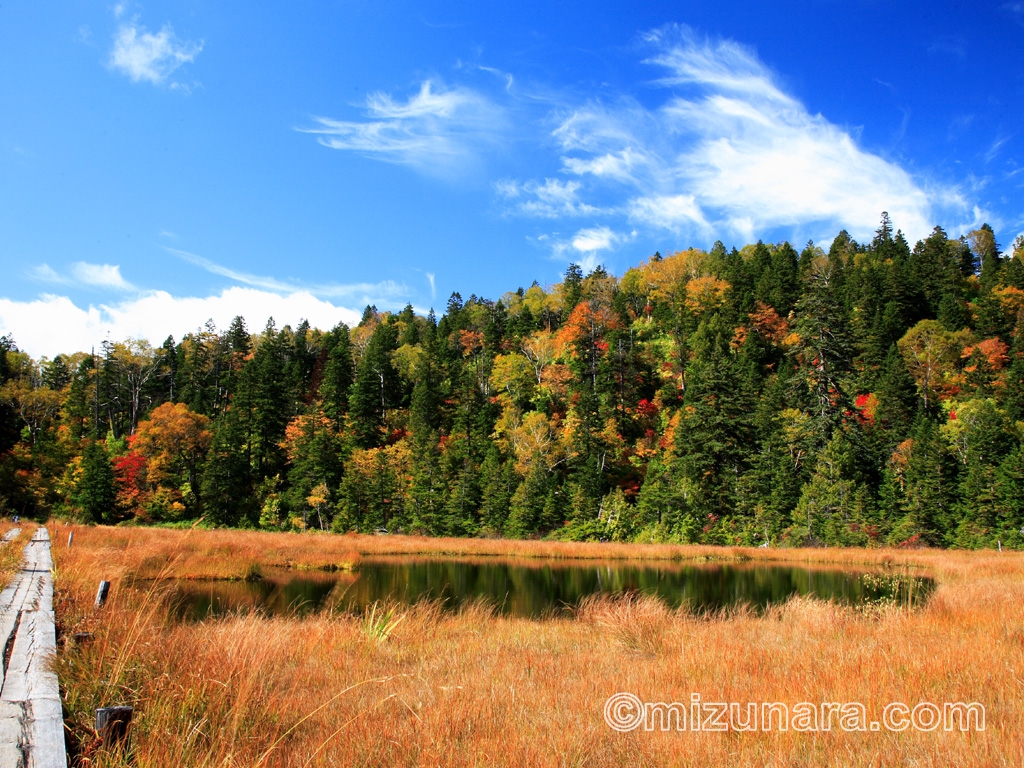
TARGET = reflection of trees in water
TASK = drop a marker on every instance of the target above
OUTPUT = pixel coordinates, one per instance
(536, 589)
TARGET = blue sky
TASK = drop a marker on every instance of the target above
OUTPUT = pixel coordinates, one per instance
(163, 163)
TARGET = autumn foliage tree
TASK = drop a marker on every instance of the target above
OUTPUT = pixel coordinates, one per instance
(871, 393)
(174, 441)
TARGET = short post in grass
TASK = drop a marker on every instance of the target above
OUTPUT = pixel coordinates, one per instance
(112, 725)
(101, 593)
(71, 537)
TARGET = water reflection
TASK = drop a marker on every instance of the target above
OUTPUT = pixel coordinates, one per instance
(534, 589)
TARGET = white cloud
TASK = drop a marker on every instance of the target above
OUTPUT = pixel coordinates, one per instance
(620, 166)
(45, 273)
(586, 246)
(142, 55)
(727, 152)
(595, 239)
(82, 273)
(436, 130)
(669, 211)
(100, 276)
(52, 324)
(551, 199)
(385, 292)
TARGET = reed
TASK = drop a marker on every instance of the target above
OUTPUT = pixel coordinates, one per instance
(423, 686)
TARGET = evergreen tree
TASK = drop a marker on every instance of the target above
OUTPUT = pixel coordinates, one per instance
(527, 506)
(95, 495)
(376, 388)
(337, 376)
(714, 430)
(572, 289)
(824, 351)
(498, 482)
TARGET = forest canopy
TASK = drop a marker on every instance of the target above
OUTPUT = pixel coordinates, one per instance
(869, 395)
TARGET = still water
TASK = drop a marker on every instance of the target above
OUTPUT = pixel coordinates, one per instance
(536, 589)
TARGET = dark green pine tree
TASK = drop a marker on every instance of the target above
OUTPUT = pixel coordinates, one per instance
(768, 492)
(1013, 266)
(663, 512)
(78, 407)
(785, 284)
(319, 457)
(572, 289)
(929, 489)
(897, 400)
(986, 441)
(95, 494)
(270, 401)
(934, 269)
(301, 362)
(463, 482)
(986, 250)
(238, 337)
(715, 431)
(828, 501)
(428, 492)
(498, 482)
(338, 375)
(952, 313)
(228, 479)
(376, 389)
(823, 355)
(527, 506)
(1009, 491)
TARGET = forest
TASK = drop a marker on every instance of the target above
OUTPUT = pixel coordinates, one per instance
(868, 395)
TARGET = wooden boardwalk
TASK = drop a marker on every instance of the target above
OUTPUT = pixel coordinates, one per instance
(31, 724)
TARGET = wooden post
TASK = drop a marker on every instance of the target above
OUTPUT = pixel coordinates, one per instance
(112, 724)
(101, 593)
(71, 537)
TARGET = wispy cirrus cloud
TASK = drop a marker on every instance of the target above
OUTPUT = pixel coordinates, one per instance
(147, 56)
(437, 130)
(82, 273)
(385, 293)
(550, 199)
(727, 152)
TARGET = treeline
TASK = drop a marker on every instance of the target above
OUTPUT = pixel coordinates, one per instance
(870, 395)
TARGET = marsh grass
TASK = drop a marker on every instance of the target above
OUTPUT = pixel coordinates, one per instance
(474, 687)
(637, 622)
(380, 620)
(11, 552)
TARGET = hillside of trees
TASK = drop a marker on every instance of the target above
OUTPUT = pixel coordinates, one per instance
(870, 395)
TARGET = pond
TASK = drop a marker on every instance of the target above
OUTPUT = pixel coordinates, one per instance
(539, 588)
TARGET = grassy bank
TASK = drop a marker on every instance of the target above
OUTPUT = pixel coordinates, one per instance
(236, 554)
(421, 686)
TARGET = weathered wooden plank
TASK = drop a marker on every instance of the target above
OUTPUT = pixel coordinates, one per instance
(31, 724)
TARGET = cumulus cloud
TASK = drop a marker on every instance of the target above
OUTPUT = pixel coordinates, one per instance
(52, 325)
(727, 151)
(143, 55)
(436, 130)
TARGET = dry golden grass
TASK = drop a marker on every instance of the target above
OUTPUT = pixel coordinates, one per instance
(149, 553)
(11, 552)
(422, 686)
